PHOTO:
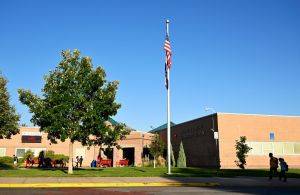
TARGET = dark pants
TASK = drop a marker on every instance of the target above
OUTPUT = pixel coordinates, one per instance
(272, 170)
(282, 175)
(41, 162)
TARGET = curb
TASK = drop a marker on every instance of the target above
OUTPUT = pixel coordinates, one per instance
(107, 185)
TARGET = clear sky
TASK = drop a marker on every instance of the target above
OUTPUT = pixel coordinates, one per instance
(240, 56)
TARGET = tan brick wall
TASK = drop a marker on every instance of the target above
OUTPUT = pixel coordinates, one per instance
(135, 139)
(256, 128)
(197, 139)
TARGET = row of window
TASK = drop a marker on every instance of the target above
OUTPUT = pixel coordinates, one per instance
(263, 148)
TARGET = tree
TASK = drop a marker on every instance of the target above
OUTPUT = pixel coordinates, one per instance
(8, 117)
(156, 147)
(77, 101)
(241, 151)
(181, 160)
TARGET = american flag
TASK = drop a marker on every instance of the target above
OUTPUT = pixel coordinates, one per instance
(167, 48)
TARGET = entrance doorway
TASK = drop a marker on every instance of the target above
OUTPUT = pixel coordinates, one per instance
(128, 153)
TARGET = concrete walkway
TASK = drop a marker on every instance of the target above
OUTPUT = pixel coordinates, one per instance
(40, 182)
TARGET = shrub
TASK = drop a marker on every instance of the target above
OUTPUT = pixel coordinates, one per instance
(6, 159)
(27, 153)
(50, 154)
(181, 161)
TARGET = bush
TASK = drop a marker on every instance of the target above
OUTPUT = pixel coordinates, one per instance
(50, 154)
(6, 159)
(27, 153)
(21, 160)
(181, 161)
(60, 157)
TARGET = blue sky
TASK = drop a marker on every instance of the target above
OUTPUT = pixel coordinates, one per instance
(237, 56)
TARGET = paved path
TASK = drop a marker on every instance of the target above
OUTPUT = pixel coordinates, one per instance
(143, 182)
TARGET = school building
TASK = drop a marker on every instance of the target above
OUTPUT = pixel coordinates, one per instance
(209, 141)
(30, 138)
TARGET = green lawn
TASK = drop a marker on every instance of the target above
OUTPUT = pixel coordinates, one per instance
(139, 172)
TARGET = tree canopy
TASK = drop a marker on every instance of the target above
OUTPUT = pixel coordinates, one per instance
(8, 117)
(76, 102)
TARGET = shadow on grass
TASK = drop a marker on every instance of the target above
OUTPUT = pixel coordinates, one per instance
(6, 166)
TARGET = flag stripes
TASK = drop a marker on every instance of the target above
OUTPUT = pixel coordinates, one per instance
(167, 48)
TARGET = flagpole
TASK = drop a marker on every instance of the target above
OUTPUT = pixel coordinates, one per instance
(168, 118)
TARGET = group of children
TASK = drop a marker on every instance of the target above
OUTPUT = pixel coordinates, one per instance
(274, 165)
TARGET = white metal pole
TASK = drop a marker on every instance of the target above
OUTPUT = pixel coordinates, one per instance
(168, 120)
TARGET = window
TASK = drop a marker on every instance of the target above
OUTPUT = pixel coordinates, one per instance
(281, 148)
(2, 151)
(36, 151)
(297, 148)
(278, 148)
(20, 152)
(288, 148)
(268, 147)
(256, 148)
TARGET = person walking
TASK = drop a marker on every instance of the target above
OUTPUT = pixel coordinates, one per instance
(283, 169)
(273, 165)
(80, 161)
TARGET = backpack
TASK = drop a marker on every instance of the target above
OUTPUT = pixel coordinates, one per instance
(275, 161)
(286, 167)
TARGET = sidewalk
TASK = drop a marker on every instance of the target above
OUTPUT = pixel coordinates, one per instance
(39, 182)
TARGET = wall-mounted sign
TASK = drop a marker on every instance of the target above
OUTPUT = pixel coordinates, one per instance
(31, 139)
(216, 135)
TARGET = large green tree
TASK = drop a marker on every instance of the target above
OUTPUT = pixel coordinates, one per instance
(8, 117)
(76, 102)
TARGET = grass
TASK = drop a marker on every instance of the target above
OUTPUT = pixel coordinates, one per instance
(139, 172)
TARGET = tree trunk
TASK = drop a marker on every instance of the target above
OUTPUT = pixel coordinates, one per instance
(154, 161)
(70, 168)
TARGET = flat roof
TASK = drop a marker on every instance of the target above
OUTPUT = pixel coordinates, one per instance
(258, 114)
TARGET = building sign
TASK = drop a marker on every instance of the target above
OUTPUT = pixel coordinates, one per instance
(31, 139)
(272, 136)
(216, 135)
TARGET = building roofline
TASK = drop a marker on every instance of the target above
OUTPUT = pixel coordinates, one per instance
(224, 113)
(34, 127)
(262, 115)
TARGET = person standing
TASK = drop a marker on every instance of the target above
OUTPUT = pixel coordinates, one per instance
(80, 161)
(273, 165)
(283, 169)
(77, 161)
(15, 159)
(41, 159)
